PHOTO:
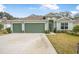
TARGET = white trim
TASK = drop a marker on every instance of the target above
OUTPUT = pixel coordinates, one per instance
(12, 27)
(47, 25)
(23, 27)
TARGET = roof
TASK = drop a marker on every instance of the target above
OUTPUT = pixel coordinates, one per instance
(34, 17)
(76, 22)
(55, 15)
(65, 19)
(76, 18)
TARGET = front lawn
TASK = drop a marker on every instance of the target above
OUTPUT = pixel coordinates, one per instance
(64, 43)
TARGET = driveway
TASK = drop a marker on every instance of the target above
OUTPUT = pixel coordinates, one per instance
(25, 43)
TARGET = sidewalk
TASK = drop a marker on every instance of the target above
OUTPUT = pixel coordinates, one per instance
(48, 44)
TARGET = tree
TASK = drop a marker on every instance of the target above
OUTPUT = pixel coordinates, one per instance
(65, 14)
(60, 14)
(76, 28)
(76, 16)
(1, 26)
(7, 15)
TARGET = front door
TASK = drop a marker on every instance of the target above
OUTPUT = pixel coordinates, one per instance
(51, 25)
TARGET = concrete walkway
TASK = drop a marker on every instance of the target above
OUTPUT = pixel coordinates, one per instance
(22, 43)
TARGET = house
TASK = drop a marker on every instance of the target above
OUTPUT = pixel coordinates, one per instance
(39, 24)
(32, 24)
(76, 21)
(64, 23)
(59, 23)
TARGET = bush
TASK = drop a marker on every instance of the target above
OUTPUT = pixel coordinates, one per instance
(8, 30)
(61, 31)
(1, 26)
(47, 31)
(72, 33)
(3, 32)
(55, 30)
(76, 28)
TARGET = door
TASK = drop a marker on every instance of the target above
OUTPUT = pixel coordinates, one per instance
(34, 27)
(17, 27)
(51, 26)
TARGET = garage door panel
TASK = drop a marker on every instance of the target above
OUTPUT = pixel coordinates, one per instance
(34, 27)
(17, 27)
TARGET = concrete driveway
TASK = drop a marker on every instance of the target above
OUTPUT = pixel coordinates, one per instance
(25, 43)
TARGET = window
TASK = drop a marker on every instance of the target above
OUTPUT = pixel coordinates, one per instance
(64, 25)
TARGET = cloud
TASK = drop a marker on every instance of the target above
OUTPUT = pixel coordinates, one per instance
(50, 6)
(74, 12)
(2, 7)
(77, 7)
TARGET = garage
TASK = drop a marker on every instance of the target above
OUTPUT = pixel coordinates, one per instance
(17, 27)
(34, 27)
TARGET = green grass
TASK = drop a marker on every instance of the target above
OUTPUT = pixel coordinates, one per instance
(64, 43)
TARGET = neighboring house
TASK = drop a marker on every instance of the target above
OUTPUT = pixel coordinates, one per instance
(76, 21)
(39, 24)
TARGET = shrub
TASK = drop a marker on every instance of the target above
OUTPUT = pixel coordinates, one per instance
(47, 31)
(1, 26)
(76, 28)
(55, 30)
(3, 32)
(72, 33)
(61, 31)
(8, 30)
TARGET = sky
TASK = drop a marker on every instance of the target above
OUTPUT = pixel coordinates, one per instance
(24, 10)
